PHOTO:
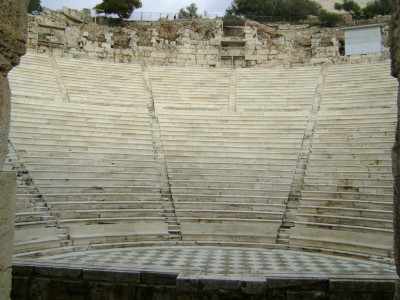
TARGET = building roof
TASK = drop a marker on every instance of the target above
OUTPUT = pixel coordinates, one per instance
(363, 26)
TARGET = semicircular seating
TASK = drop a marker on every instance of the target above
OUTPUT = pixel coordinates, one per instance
(126, 149)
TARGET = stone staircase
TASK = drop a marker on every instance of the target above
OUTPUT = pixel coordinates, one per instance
(304, 155)
(26, 186)
(232, 90)
(58, 77)
(166, 195)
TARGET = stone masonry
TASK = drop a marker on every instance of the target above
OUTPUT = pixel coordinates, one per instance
(13, 21)
(192, 42)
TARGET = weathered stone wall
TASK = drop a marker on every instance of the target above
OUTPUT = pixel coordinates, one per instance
(13, 18)
(73, 283)
(395, 56)
(13, 22)
(194, 43)
(7, 212)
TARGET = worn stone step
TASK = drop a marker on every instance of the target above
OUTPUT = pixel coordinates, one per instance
(282, 241)
(41, 209)
(172, 219)
(61, 231)
(51, 223)
(63, 236)
(282, 235)
(169, 215)
(173, 227)
(65, 243)
(287, 224)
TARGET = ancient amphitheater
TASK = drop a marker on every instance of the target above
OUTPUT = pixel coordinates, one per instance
(154, 182)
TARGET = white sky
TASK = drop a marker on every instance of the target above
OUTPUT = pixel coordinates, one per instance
(163, 6)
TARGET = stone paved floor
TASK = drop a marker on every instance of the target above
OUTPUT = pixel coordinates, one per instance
(222, 261)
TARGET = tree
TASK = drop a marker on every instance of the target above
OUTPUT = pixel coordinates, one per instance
(247, 8)
(189, 12)
(293, 8)
(34, 6)
(380, 7)
(123, 8)
(300, 8)
(351, 7)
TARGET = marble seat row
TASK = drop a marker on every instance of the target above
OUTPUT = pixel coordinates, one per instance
(276, 89)
(197, 88)
(348, 186)
(227, 183)
(102, 84)
(359, 87)
(90, 171)
(35, 78)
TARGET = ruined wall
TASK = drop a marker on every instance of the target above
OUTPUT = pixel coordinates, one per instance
(13, 21)
(193, 42)
(76, 283)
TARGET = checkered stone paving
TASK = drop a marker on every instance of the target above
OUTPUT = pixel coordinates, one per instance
(222, 261)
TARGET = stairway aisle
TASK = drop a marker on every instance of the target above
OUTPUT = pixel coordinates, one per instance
(159, 156)
(304, 155)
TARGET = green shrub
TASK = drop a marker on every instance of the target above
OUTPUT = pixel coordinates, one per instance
(328, 19)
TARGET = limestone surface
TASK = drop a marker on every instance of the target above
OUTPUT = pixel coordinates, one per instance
(395, 56)
(5, 104)
(7, 207)
(13, 22)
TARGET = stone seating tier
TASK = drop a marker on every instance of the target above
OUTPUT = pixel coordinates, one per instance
(350, 87)
(83, 87)
(329, 238)
(224, 147)
(211, 92)
(35, 78)
(276, 89)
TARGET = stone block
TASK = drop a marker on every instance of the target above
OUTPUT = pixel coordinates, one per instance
(253, 284)
(58, 272)
(7, 212)
(215, 42)
(23, 285)
(317, 295)
(111, 276)
(351, 286)
(296, 284)
(188, 281)
(106, 45)
(252, 57)
(212, 284)
(148, 277)
(159, 54)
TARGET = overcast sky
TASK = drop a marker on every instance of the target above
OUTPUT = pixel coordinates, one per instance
(164, 6)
